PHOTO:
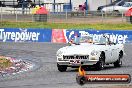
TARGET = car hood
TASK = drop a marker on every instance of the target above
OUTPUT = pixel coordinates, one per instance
(121, 8)
(84, 49)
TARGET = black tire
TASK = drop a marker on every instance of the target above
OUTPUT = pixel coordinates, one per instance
(118, 63)
(101, 62)
(81, 80)
(116, 13)
(61, 68)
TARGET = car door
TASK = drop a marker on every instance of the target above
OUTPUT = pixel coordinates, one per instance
(108, 54)
(106, 48)
(114, 52)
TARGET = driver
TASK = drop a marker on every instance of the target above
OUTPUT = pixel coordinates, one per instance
(77, 39)
(90, 41)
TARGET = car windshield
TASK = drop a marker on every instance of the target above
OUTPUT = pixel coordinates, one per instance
(86, 39)
(89, 39)
(127, 5)
(101, 41)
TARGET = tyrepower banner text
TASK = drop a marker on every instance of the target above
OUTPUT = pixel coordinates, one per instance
(60, 35)
(25, 35)
(116, 36)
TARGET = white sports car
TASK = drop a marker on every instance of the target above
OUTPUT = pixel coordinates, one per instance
(117, 9)
(95, 53)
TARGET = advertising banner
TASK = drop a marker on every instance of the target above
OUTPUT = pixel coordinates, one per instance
(25, 35)
(116, 36)
(58, 36)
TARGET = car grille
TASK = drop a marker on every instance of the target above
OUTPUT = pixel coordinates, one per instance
(76, 57)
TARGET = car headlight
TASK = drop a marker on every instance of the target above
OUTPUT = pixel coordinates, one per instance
(59, 53)
(122, 46)
(93, 53)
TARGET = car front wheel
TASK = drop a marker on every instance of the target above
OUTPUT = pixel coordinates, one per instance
(61, 68)
(100, 63)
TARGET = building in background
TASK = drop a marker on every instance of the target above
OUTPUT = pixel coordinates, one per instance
(62, 5)
(92, 4)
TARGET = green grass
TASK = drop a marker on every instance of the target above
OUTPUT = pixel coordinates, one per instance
(117, 26)
(4, 63)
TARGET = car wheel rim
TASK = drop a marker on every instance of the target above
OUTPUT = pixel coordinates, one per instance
(120, 62)
(102, 65)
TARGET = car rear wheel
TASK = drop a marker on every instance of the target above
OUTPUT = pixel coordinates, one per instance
(118, 63)
(61, 68)
(115, 13)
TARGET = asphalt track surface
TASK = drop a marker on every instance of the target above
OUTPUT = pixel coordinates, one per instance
(45, 73)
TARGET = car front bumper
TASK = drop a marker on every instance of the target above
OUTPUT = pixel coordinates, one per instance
(68, 63)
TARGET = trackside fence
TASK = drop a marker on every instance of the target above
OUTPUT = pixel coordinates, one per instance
(25, 15)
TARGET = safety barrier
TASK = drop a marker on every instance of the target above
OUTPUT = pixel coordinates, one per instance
(25, 35)
(116, 36)
(60, 35)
